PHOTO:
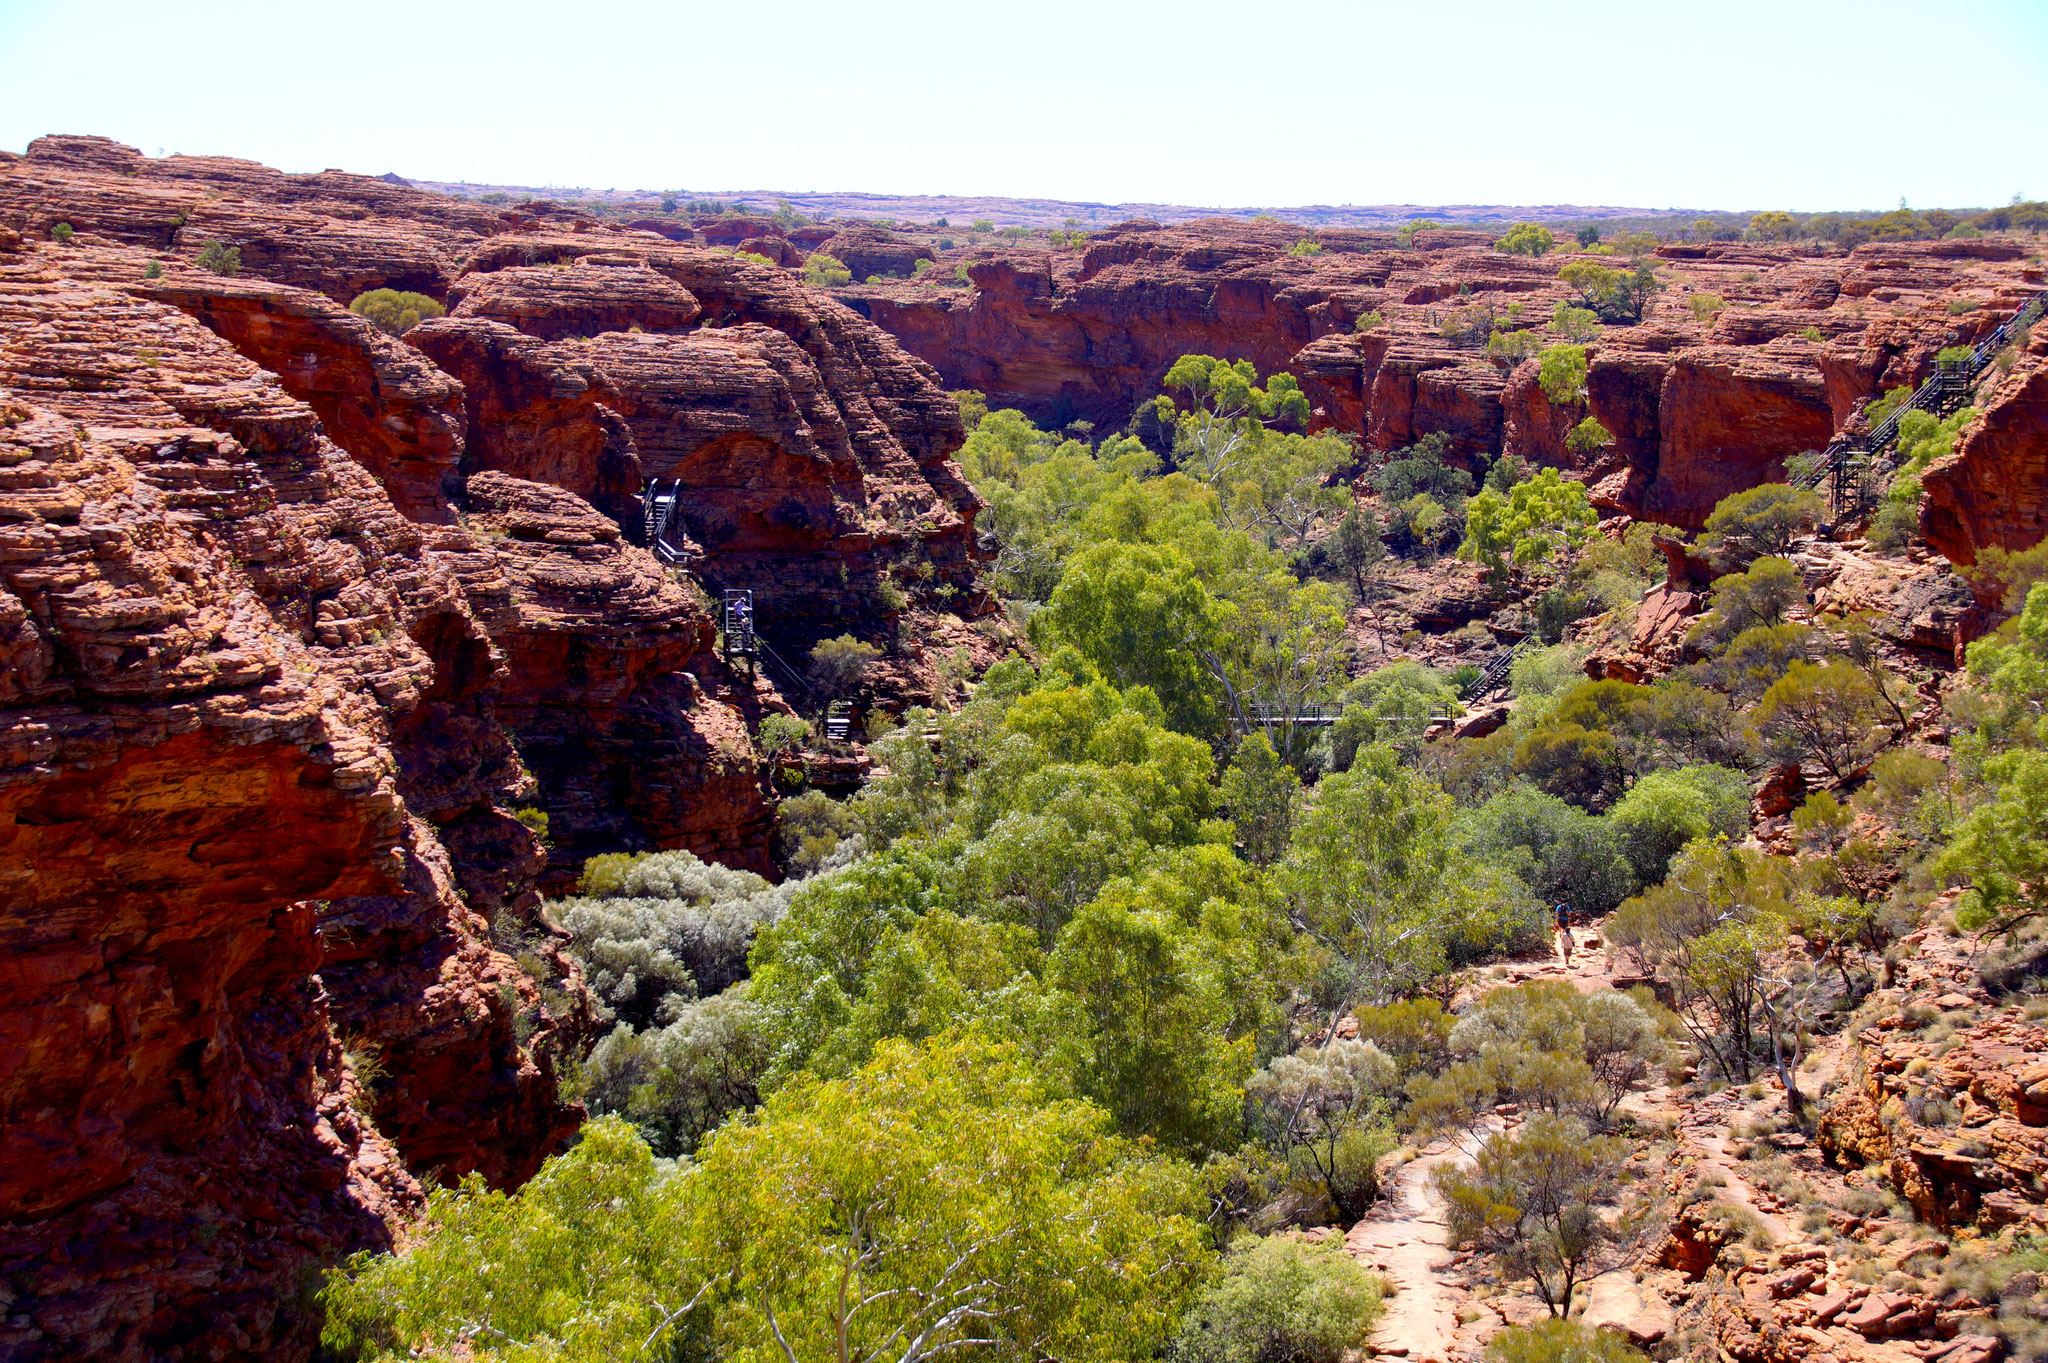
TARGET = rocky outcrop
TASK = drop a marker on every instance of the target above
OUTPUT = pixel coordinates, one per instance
(1961, 1133)
(626, 740)
(1699, 405)
(815, 456)
(396, 415)
(230, 660)
(871, 251)
(301, 627)
(1993, 490)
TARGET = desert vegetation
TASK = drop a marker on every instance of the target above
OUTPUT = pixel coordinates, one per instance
(1120, 988)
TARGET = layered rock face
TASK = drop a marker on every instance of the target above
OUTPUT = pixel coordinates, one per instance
(1993, 1085)
(1699, 405)
(1993, 490)
(300, 624)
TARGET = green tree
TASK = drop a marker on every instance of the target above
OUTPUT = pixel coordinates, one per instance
(1828, 712)
(1667, 809)
(1140, 615)
(1586, 236)
(1374, 876)
(1221, 415)
(2001, 848)
(1526, 239)
(1507, 349)
(1589, 435)
(1158, 1059)
(394, 312)
(1564, 854)
(938, 1197)
(1356, 547)
(591, 1259)
(1562, 374)
(1538, 518)
(1260, 793)
(1532, 1200)
(1709, 929)
(1773, 226)
(823, 270)
(1762, 594)
(1281, 1301)
(1325, 1109)
(1762, 520)
(1615, 295)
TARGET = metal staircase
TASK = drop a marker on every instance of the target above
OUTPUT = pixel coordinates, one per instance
(1496, 673)
(658, 502)
(1849, 456)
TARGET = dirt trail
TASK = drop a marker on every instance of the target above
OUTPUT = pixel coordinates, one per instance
(1405, 1239)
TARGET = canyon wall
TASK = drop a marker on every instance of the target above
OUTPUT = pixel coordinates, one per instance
(304, 627)
(1699, 405)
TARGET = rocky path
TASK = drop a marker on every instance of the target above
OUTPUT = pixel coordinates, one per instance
(1406, 1241)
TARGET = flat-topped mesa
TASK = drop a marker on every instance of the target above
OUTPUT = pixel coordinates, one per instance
(1702, 397)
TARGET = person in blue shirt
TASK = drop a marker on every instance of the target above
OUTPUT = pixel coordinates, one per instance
(1564, 931)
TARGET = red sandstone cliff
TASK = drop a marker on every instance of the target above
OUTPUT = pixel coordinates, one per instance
(1698, 409)
(295, 617)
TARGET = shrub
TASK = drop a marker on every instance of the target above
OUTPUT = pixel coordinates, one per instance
(1587, 436)
(1616, 295)
(1565, 854)
(1762, 594)
(1562, 374)
(217, 257)
(1561, 1341)
(656, 929)
(1532, 1199)
(677, 1083)
(60, 232)
(1305, 247)
(1509, 348)
(823, 270)
(1958, 306)
(1281, 1301)
(1414, 1033)
(1668, 809)
(153, 270)
(1706, 307)
(815, 832)
(837, 665)
(1762, 520)
(1526, 239)
(1369, 321)
(533, 820)
(393, 312)
(1826, 712)
(1577, 325)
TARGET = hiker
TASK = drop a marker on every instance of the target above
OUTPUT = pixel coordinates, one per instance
(1564, 932)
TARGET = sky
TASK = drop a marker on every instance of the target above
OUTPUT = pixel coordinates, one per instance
(1736, 104)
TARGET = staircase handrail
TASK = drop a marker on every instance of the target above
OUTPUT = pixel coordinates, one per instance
(1931, 396)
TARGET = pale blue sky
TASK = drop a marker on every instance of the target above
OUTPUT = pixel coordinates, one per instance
(1711, 103)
